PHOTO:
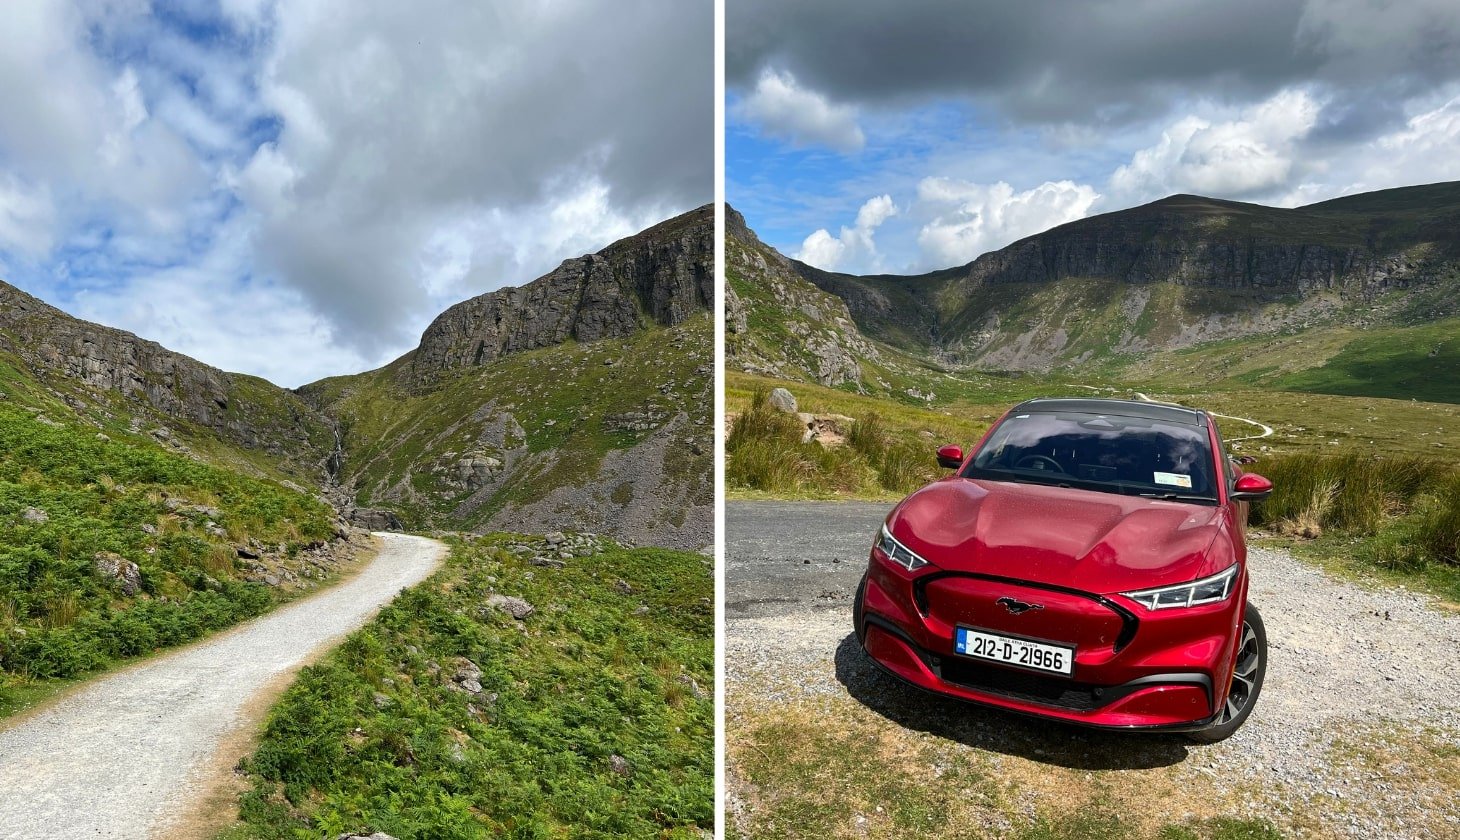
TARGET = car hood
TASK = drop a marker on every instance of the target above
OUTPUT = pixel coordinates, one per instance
(1091, 541)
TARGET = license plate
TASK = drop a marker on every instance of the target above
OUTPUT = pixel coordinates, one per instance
(1009, 650)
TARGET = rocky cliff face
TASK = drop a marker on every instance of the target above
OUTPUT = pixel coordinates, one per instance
(661, 275)
(1167, 275)
(797, 330)
(90, 365)
(1192, 241)
(605, 428)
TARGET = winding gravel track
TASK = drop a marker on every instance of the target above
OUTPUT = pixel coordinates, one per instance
(1347, 664)
(128, 754)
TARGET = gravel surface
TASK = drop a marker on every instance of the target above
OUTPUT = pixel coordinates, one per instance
(1349, 666)
(126, 755)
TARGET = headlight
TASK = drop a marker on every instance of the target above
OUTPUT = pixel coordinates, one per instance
(899, 553)
(1205, 591)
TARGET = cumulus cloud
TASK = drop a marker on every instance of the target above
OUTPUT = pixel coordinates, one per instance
(27, 217)
(373, 161)
(1249, 156)
(854, 249)
(781, 108)
(971, 219)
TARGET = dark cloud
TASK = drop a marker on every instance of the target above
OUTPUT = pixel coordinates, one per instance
(1050, 61)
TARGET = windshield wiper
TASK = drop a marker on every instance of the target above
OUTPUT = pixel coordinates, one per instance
(1177, 497)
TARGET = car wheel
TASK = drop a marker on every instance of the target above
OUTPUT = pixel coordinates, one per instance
(1246, 680)
(857, 611)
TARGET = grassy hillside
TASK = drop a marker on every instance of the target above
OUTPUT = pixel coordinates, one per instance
(623, 424)
(593, 718)
(112, 547)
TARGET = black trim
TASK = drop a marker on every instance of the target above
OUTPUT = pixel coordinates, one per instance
(1119, 408)
(1129, 622)
(1107, 694)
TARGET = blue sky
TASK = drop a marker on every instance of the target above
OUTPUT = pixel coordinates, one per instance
(295, 189)
(868, 137)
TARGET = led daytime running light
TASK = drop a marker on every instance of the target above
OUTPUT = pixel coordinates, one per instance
(899, 553)
(1208, 590)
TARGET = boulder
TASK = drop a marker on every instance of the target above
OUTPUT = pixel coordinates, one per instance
(375, 519)
(512, 605)
(33, 514)
(112, 565)
(783, 400)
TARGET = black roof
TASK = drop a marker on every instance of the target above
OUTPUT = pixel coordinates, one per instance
(1120, 408)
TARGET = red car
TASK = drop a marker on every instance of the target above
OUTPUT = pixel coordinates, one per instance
(1087, 562)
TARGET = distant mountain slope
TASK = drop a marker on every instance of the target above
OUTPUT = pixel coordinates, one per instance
(113, 376)
(579, 401)
(1135, 285)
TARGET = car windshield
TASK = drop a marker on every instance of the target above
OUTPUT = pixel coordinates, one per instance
(1102, 452)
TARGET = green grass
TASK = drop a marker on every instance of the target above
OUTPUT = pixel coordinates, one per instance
(1418, 363)
(764, 453)
(562, 398)
(60, 618)
(1397, 518)
(373, 739)
(796, 777)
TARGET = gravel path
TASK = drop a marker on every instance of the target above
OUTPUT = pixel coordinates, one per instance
(127, 754)
(1357, 677)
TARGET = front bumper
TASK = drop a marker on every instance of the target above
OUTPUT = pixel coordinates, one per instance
(1154, 671)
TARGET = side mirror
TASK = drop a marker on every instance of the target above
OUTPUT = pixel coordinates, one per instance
(950, 457)
(1251, 487)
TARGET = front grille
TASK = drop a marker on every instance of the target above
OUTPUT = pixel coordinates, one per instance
(1019, 685)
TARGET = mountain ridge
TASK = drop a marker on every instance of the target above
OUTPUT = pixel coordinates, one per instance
(659, 280)
(1172, 274)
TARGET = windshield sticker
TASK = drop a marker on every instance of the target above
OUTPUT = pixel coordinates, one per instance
(1174, 479)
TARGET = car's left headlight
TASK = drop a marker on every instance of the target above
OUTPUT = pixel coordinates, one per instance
(899, 553)
(1208, 590)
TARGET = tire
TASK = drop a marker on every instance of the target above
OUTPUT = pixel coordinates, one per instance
(857, 612)
(1247, 680)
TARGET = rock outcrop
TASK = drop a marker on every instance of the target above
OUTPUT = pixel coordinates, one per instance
(90, 365)
(824, 346)
(661, 275)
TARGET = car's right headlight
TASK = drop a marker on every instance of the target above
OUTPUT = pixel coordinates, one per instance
(1208, 590)
(899, 553)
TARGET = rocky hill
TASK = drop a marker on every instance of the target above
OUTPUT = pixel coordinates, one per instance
(779, 324)
(113, 376)
(580, 401)
(1184, 272)
(662, 276)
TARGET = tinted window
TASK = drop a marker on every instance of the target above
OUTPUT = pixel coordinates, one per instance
(1101, 452)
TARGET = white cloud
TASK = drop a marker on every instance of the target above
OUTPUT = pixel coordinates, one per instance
(1249, 155)
(803, 117)
(855, 243)
(364, 181)
(27, 217)
(971, 219)
(1426, 149)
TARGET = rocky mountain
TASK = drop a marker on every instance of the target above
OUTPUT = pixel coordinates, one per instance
(662, 275)
(779, 324)
(580, 401)
(1174, 274)
(115, 376)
